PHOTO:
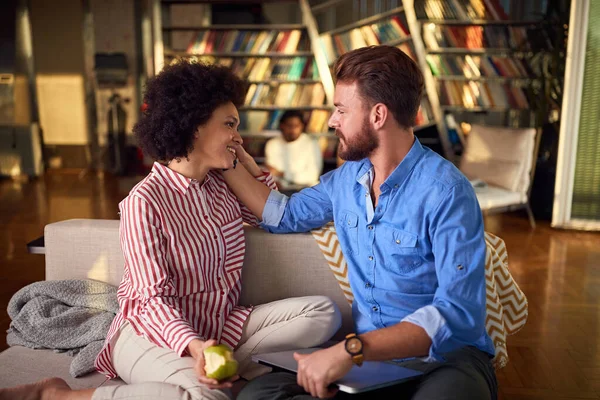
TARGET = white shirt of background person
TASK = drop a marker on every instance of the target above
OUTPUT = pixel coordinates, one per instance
(294, 157)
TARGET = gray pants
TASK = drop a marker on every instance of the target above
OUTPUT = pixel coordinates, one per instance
(467, 374)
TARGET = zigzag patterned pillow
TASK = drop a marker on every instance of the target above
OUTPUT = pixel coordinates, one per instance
(506, 304)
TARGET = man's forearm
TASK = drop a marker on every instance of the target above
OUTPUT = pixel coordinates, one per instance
(402, 340)
(251, 192)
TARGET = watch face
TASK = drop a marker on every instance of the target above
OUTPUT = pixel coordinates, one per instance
(354, 346)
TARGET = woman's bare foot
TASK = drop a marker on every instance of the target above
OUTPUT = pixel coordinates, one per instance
(48, 389)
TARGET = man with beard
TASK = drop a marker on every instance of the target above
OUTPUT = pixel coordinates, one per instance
(411, 231)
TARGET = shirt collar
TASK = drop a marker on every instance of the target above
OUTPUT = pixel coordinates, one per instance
(174, 179)
(397, 177)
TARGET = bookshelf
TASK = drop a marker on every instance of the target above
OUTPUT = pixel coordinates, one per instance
(373, 23)
(482, 63)
(280, 62)
(492, 62)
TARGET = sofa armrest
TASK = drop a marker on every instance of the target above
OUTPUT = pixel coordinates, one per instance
(84, 249)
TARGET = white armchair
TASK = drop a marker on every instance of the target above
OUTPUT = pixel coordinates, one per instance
(504, 159)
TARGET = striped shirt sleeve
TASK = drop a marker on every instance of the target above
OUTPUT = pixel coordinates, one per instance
(145, 253)
(247, 215)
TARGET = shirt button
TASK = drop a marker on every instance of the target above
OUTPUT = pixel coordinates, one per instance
(367, 285)
(396, 186)
(222, 293)
(375, 309)
(205, 216)
(370, 258)
(397, 241)
(218, 278)
(215, 237)
(370, 227)
(218, 315)
(460, 267)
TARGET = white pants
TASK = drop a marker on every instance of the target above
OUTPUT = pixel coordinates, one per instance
(153, 372)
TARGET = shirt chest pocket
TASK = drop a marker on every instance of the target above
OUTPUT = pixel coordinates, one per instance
(349, 228)
(401, 249)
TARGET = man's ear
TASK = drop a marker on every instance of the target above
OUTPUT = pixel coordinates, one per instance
(379, 115)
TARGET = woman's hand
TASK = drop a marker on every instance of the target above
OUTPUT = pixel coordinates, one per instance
(196, 349)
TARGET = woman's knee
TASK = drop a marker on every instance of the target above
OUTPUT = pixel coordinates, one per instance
(329, 313)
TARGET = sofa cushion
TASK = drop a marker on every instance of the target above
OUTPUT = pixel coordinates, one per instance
(275, 266)
(21, 365)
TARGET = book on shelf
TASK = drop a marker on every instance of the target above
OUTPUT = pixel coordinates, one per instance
(482, 95)
(438, 37)
(424, 115)
(390, 31)
(460, 10)
(243, 41)
(475, 67)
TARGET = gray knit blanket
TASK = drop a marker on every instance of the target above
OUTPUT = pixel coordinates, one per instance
(71, 316)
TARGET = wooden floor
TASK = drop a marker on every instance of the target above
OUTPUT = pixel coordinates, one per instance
(556, 355)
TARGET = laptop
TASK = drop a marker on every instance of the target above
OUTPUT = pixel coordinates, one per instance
(370, 376)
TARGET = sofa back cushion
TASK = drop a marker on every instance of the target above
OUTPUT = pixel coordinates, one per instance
(275, 266)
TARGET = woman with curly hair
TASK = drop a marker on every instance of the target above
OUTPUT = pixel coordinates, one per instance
(183, 243)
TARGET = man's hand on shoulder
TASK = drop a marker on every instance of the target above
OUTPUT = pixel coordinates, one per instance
(247, 161)
(320, 369)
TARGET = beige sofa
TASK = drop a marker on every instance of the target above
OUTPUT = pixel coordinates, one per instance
(275, 267)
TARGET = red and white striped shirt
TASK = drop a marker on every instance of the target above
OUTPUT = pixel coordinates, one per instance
(184, 245)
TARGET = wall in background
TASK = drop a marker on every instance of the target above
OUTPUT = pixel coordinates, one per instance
(58, 54)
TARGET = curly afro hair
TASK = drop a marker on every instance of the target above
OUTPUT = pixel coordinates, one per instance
(178, 100)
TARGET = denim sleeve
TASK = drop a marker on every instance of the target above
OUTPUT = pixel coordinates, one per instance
(459, 305)
(308, 209)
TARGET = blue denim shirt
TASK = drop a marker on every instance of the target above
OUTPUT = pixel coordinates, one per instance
(419, 256)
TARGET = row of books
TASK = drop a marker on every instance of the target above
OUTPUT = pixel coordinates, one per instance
(476, 37)
(383, 32)
(478, 66)
(460, 9)
(479, 94)
(259, 121)
(257, 69)
(262, 69)
(255, 42)
(285, 94)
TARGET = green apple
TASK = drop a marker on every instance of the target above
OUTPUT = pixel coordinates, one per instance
(219, 363)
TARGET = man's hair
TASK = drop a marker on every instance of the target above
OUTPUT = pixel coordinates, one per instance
(289, 114)
(384, 74)
(182, 97)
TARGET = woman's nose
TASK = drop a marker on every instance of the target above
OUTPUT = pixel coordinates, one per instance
(238, 138)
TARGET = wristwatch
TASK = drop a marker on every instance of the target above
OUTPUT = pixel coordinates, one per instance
(354, 347)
